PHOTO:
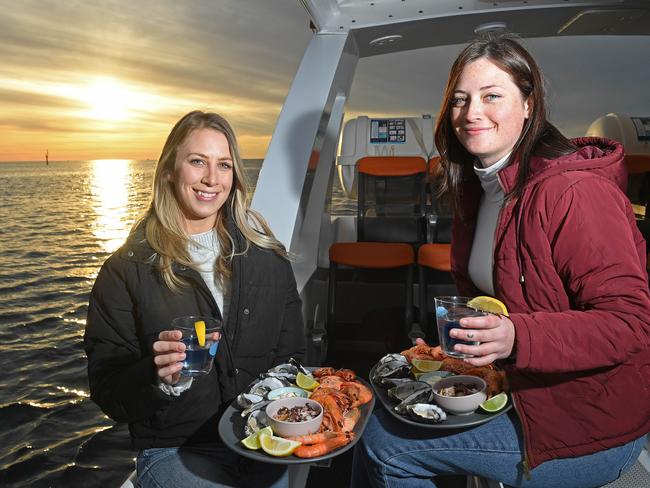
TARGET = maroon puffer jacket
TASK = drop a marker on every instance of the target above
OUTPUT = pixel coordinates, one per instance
(570, 265)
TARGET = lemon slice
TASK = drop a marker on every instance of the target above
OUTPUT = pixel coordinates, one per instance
(199, 327)
(425, 365)
(489, 305)
(253, 440)
(496, 403)
(277, 446)
(306, 382)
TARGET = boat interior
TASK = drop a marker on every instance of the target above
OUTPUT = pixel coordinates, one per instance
(367, 275)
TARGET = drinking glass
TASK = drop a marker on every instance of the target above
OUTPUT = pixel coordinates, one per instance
(198, 359)
(449, 311)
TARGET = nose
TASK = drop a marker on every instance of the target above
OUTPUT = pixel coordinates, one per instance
(211, 175)
(474, 109)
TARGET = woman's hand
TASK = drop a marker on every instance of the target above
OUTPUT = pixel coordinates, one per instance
(496, 334)
(169, 352)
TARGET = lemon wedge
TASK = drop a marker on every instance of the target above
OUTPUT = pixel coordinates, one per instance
(425, 365)
(306, 382)
(277, 446)
(253, 440)
(199, 327)
(496, 403)
(489, 305)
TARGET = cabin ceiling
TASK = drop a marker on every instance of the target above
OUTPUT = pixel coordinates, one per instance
(385, 26)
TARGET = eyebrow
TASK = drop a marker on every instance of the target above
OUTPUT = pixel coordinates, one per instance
(486, 87)
(204, 156)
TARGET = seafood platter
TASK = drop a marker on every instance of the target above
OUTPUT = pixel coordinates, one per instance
(407, 393)
(343, 401)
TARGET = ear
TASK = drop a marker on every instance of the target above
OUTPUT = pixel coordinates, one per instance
(528, 107)
(169, 176)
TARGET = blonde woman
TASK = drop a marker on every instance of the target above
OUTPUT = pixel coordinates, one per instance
(199, 249)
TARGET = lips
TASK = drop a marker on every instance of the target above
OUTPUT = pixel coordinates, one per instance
(474, 131)
(205, 195)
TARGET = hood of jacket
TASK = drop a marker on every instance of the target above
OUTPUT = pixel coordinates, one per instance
(603, 157)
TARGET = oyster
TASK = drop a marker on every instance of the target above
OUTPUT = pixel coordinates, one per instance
(419, 396)
(254, 407)
(434, 376)
(394, 357)
(266, 384)
(426, 412)
(245, 400)
(405, 390)
(391, 369)
(255, 422)
(392, 382)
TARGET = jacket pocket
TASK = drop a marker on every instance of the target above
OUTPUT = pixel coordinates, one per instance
(260, 316)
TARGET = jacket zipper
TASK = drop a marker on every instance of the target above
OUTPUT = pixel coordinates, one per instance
(525, 463)
(207, 294)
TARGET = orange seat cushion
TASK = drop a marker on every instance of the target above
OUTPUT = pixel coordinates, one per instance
(391, 165)
(372, 254)
(435, 256)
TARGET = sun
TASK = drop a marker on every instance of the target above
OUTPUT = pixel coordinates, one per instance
(108, 99)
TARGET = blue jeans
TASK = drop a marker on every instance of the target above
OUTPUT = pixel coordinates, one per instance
(205, 467)
(394, 454)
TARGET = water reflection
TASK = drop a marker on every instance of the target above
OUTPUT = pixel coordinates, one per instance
(110, 183)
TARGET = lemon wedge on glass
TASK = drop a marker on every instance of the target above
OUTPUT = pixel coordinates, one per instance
(496, 403)
(306, 382)
(489, 305)
(253, 440)
(199, 327)
(277, 446)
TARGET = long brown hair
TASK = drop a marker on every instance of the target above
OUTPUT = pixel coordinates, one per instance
(163, 220)
(538, 135)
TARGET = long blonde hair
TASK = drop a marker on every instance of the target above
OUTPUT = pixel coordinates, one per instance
(163, 219)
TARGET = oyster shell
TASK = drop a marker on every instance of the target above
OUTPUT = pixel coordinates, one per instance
(255, 422)
(392, 382)
(245, 400)
(419, 396)
(254, 407)
(266, 384)
(426, 412)
(391, 369)
(403, 391)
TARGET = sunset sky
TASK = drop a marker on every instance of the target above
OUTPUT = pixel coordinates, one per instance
(108, 78)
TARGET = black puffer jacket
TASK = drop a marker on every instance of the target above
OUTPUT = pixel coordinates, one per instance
(130, 305)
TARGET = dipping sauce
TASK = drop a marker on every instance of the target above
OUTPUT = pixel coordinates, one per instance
(297, 414)
(458, 390)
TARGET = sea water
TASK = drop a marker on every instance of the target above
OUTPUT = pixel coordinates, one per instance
(59, 224)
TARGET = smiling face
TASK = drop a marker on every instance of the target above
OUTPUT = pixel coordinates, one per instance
(202, 178)
(488, 111)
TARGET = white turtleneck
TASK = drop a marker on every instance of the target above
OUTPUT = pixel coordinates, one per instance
(204, 250)
(481, 260)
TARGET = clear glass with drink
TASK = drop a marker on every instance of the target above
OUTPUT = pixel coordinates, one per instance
(449, 311)
(199, 352)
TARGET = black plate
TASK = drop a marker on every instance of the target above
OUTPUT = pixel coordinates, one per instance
(452, 421)
(231, 431)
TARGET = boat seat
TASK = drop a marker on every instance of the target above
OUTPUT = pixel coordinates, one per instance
(390, 221)
(439, 217)
(434, 265)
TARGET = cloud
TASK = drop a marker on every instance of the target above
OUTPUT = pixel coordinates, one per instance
(239, 57)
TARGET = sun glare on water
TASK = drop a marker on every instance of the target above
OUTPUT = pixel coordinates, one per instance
(110, 181)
